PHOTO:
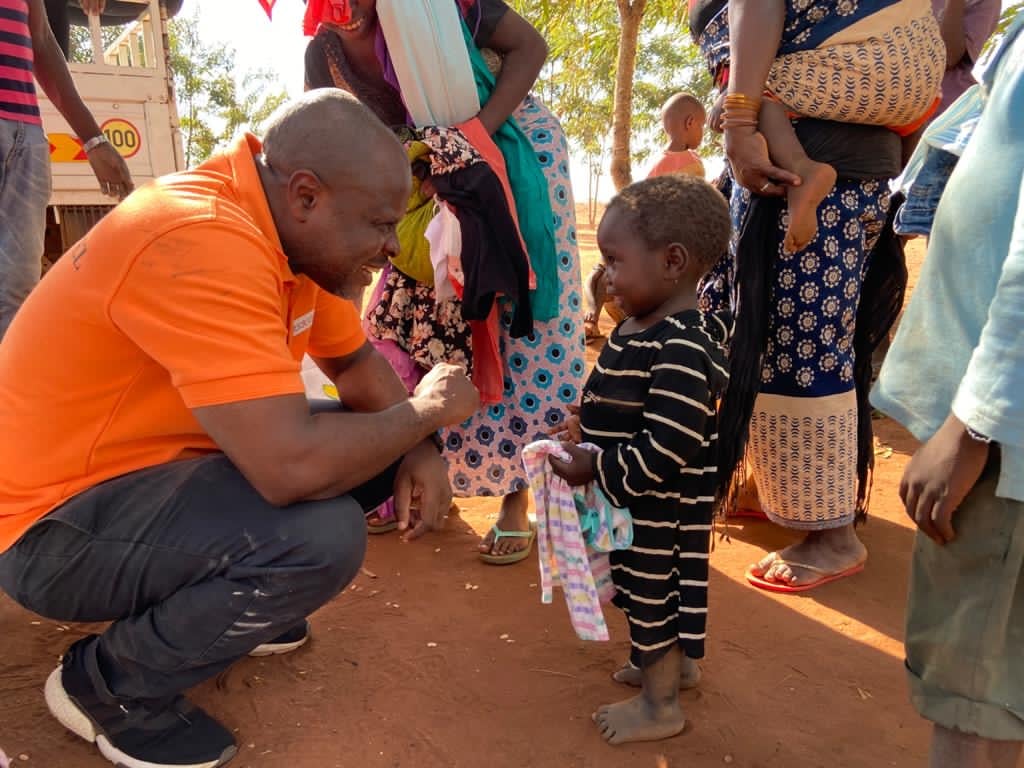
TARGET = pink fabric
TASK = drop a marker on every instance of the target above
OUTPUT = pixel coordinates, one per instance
(562, 551)
(980, 19)
(408, 371)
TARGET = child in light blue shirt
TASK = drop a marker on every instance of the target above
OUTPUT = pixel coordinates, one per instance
(955, 378)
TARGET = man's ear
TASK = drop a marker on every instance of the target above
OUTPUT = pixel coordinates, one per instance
(305, 193)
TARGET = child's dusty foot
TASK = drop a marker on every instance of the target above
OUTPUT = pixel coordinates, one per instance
(689, 678)
(636, 719)
(817, 180)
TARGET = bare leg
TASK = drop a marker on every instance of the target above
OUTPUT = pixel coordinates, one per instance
(594, 294)
(514, 516)
(653, 715)
(689, 676)
(817, 179)
(955, 749)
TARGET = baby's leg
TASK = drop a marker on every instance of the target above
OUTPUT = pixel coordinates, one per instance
(594, 296)
(817, 179)
(653, 715)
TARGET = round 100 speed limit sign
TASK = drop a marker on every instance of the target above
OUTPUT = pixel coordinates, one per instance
(123, 136)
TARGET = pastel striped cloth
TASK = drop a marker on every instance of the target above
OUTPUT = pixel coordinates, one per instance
(575, 531)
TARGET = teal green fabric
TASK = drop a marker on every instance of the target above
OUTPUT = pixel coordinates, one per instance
(530, 189)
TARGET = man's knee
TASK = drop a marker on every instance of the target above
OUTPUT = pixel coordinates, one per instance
(329, 542)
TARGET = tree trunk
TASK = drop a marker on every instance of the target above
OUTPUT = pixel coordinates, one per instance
(631, 14)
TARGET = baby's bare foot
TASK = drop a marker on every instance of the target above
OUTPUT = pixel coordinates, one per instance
(637, 720)
(817, 181)
(630, 675)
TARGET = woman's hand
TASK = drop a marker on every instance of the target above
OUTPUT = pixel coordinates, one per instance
(715, 115)
(93, 7)
(747, 151)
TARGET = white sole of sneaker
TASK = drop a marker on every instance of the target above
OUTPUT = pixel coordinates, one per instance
(75, 720)
(276, 649)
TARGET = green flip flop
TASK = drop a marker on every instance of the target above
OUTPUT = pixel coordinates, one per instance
(511, 557)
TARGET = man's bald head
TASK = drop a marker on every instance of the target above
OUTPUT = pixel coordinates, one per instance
(331, 132)
(337, 182)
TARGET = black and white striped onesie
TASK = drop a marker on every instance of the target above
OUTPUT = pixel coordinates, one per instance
(650, 405)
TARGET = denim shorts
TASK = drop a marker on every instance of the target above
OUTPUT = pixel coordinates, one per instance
(24, 194)
(915, 216)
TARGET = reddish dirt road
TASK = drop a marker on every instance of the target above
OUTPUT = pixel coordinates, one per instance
(437, 661)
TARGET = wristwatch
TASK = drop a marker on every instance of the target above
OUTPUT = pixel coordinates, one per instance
(977, 436)
(94, 142)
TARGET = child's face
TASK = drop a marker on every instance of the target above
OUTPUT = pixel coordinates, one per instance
(638, 278)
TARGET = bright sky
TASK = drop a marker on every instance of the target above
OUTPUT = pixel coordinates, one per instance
(278, 45)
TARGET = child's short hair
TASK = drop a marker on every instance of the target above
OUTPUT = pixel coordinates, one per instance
(679, 209)
(680, 104)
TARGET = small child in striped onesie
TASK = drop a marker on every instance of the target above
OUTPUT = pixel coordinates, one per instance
(650, 406)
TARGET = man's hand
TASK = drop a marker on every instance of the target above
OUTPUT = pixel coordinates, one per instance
(939, 477)
(579, 470)
(448, 394)
(423, 494)
(93, 7)
(111, 171)
(570, 428)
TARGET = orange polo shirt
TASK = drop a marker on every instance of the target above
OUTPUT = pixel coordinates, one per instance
(181, 297)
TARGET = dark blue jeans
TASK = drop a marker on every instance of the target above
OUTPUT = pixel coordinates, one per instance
(192, 565)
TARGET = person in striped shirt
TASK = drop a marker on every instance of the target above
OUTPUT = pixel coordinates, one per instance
(27, 49)
(650, 406)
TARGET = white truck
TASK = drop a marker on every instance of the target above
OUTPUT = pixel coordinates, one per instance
(129, 88)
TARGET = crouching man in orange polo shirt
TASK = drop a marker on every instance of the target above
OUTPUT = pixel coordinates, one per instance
(161, 468)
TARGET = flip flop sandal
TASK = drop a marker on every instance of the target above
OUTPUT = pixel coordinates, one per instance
(511, 557)
(753, 514)
(383, 523)
(776, 586)
(375, 529)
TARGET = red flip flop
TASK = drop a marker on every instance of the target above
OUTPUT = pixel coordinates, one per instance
(751, 514)
(826, 577)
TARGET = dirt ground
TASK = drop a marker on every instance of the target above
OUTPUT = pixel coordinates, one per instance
(433, 660)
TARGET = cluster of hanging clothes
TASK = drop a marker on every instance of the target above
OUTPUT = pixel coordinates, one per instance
(462, 256)
(477, 239)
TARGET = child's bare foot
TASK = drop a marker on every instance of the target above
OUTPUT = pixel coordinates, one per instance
(637, 719)
(630, 675)
(817, 180)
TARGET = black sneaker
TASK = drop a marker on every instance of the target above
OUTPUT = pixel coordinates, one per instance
(296, 637)
(134, 734)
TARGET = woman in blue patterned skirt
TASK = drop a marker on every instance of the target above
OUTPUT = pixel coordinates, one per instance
(797, 408)
(543, 371)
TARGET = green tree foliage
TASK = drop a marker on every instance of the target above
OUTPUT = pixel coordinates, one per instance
(1010, 12)
(592, 43)
(213, 105)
